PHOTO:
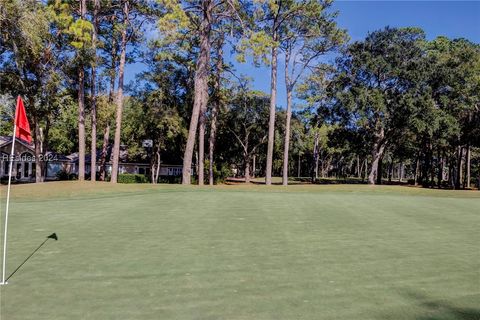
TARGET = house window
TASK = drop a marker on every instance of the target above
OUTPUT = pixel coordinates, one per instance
(19, 170)
(25, 169)
(141, 170)
(174, 171)
(53, 169)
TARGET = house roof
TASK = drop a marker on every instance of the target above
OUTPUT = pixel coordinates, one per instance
(5, 140)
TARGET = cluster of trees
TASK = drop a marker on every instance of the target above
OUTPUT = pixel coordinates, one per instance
(60, 54)
(401, 100)
(392, 104)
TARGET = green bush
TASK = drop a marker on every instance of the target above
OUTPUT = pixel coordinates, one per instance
(4, 180)
(222, 174)
(132, 178)
(219, 174)
(170, 179)
(63, 175)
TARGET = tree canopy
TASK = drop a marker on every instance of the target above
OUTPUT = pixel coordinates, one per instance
(394, 105)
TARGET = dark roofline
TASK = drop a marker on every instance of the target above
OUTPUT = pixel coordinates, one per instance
(9, 141)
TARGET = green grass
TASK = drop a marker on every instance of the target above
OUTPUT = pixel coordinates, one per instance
(243, 252)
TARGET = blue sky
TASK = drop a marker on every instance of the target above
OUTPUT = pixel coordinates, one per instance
(453, 19)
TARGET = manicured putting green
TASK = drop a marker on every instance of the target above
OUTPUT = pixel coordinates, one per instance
(243, 252)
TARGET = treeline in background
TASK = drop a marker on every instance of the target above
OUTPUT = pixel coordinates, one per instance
(394, 107)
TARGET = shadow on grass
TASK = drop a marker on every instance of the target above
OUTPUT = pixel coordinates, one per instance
(310, 181)
(441, 310)
(297, 181)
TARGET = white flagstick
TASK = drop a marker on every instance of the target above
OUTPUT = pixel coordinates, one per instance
(4, 266)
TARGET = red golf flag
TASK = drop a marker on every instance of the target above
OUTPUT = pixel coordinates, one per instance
(21, 121)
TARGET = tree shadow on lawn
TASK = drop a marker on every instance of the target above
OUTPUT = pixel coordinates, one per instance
(296, 181)
(441, 309)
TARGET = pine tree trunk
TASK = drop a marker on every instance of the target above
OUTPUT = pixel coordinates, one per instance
(215, 110)
(93, 151)
(286, 146)
(325, 169)
(364, 176)
(458, 176)
(200, 88)
(467, 182)
(118, 120)
(299, 164)
(273, 104)
(37, 139)
(316, 156)
(158, 166)
(380, 170)
(360, 171)
(390, 171)
(93, 147)
(440, 169)
(417, 169)
(211, 141)
(81, 107)
(103, 159)
(432, 168)
(359, 174)
(254, 166)
(400, 172)
(452, 178)
(445, 171)
(81, 125)
(45, 148)
(377, 154)
(201, 145)
(39, 164)
(152, 167)
(247, 169)
(196, 161)
(106, 132)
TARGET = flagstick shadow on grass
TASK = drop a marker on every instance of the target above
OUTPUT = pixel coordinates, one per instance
(52, 236)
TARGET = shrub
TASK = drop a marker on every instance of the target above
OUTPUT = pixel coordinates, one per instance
(170, 179)
(222, 174)
(132, 178)
(4, 180)
(64, 175)
(219, 174)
